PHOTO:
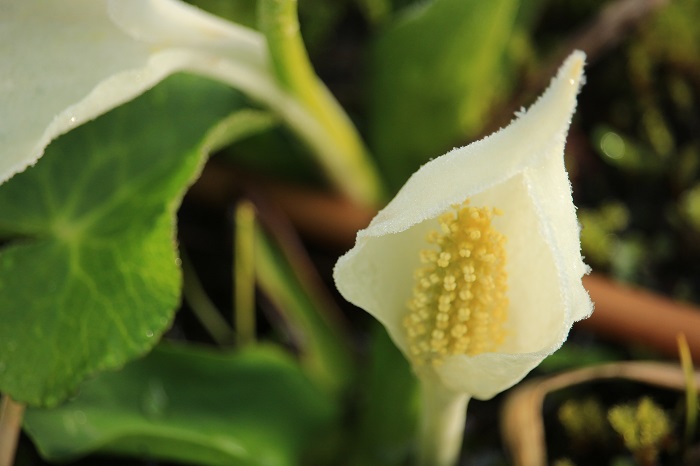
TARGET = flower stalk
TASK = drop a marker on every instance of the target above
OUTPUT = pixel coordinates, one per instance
(441, 426)
(330, 133)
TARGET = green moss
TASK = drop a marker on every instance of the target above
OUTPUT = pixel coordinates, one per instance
(644, 428)
(585, 421)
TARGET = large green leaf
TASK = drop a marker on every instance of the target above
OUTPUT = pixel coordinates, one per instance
(254, 407)
(90, 278)
(436, 71)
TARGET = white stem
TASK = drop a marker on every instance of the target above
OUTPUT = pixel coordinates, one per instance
(441, 425)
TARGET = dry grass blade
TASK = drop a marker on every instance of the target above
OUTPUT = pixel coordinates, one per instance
(691, 388)
(11, 414)
(521, 420)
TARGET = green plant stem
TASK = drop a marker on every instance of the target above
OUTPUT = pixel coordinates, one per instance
(332, 135)
(324, 349)
(441, 424)
(204, 310)
(10, 426)
(244, 273)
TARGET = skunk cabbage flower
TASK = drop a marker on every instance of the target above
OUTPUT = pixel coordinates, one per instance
(474, 268)
(68, 62)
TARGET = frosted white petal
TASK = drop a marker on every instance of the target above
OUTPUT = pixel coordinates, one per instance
(169, 23)
(65, 63)
(520, 170)
(485, 375)
(528, 141)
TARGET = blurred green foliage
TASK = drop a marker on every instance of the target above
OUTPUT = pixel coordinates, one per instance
(387, 411)
(639, 110)
(690, 206)
(572, 355)
(599, 229)
(251, 407)
(435, 73)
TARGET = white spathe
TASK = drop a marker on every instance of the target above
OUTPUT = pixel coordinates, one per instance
(65, 63)
(520, 170)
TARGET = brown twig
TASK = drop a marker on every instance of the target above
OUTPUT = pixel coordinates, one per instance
(10, 426)
(323, 217)
(638, 316)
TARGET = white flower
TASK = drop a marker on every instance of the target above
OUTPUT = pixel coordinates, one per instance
(65, 63)
(477, 305)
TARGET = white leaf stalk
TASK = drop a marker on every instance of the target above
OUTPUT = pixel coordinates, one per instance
(65, 63)
(474, 268)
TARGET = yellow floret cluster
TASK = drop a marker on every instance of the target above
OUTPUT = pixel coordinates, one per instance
(459, 303)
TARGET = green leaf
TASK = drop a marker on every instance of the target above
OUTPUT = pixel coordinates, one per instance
(90, 278)
(435, 73)
(253, 407)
